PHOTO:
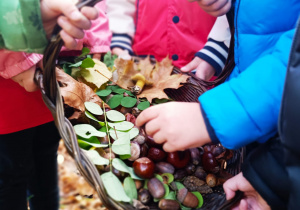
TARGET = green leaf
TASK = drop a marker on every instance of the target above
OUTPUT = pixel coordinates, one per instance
(128, 102)
(179, 185)
(96, 158)
(109, 59)
(121, 126)
(114, 187)
(122, 146)
(93, 108)
(93, 141)
(115, 101)
(76, 64)
(121, 166)
(103, 93)
(157, 176)
(130, 188)
(67, 69)
(171, 196)
(167, 190)
(200, 198)
(83, 145)
(85, 51)
(160, 101)
(129, 93)
(132, 133)
(86, 131)
(89, 115)
(87, 63)
(124, 157)
(115, 116)
(143, 105)
(117, 89)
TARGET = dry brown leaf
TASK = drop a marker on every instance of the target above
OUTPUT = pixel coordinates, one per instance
(159, 75)
(75, 94)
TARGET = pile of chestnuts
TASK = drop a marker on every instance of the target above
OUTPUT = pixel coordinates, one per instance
(197, 169)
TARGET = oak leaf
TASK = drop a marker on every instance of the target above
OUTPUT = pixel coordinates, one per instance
(159, 77)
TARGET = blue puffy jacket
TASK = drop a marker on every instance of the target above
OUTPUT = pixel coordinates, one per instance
(245, 108)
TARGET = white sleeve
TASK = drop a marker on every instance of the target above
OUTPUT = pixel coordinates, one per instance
(215, 51)
(121, 22)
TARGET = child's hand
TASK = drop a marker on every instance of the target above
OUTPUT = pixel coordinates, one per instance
(124, 54)
(251, 200)
(26, 79)
(177, 125)
(73, 22)
(215, 7)
(204, 70)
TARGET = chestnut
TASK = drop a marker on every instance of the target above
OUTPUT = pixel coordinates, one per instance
(200, 173)
(156, 154)
(167, 204)
(190, 169)
(209, 162)
(179, 159)
(144, 167)
(180, 174)
(187, 198)
(156, 188)
(144, 196)
(195, 156)
(135, 151)
(140, 139)
(164, 167)
(151, 143)
(130, 117)
(144, 150)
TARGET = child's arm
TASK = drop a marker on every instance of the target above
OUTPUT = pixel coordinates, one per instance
(121, 23)
(210, 60)
(20, 67)
(215, 7)
(26, 25)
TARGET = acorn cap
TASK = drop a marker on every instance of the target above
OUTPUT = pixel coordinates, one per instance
(141, 77)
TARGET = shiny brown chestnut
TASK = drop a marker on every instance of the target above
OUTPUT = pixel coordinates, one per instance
(156, 154)
(144, 167)
(179, 159)
(209, 162)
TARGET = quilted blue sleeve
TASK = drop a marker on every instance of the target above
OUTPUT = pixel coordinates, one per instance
(246, 108)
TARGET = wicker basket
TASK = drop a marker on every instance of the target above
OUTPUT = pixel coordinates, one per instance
(52, 98)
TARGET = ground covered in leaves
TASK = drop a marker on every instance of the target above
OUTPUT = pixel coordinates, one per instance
(75, 192)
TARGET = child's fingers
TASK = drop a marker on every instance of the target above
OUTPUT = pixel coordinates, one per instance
(147, 115)
(191, 65)
(69, 41)
(215, 7)
(69, 28)
(231, 186)
(90, 12)
(152, 127)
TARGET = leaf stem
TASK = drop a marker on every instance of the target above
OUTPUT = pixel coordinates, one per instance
(107, 133)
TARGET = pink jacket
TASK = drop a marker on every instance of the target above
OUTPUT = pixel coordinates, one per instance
(174, 28)
(20, 109)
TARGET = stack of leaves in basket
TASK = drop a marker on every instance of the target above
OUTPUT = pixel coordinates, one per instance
(102, 100)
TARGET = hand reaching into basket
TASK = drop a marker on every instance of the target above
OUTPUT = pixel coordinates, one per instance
(251, 200)
(72, 23)
(203, 69)
(176, 125)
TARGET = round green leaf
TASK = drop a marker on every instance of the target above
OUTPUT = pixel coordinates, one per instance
(128, 102)
(114, 187)
(87, 63)
(115, 116)
(93, 108)
(121, 126)
(121, 166)
(143, 105)
(122, 146)
(115, 101)
(179, 185)
(103, 93)
(86, 131)
(96, 158)
(93, 141)
(117, 89)
(130, 188)
(171, 196)
(133, 133)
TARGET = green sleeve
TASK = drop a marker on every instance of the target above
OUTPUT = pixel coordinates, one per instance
(21, 27)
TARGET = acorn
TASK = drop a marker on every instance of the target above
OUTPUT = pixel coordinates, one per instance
(156, 188)
(168, 204)
(187, 198)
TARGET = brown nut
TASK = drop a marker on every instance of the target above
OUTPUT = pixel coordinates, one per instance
(144, 196)
(209, 162)
(156, 154)
(179, 159)
(167, 204)
(187, 198)
(144, 167)
(164, 167)
(195, 156)
(200, 173)
(156, 188)
(180, 174)
(135, 151)
(211, 180)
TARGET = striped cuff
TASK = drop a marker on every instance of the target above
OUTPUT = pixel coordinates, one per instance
(122, 41)
(215, 53)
